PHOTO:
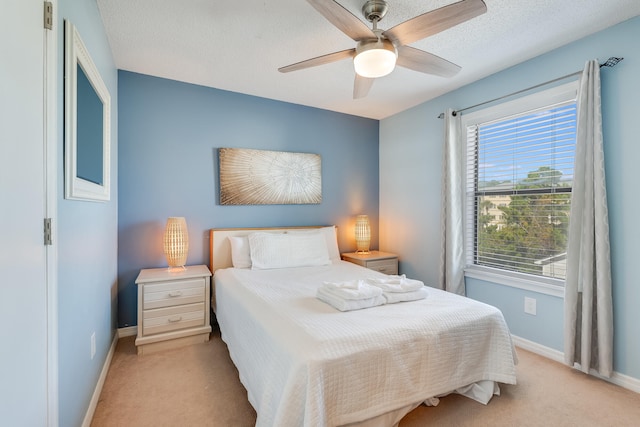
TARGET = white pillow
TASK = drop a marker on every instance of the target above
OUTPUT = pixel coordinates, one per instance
(240, 253)
(331, 235)
(287, 250)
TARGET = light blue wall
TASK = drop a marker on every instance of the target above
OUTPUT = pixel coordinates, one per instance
(544, 328)
(87, 241)
(410, 166)
(169, 135)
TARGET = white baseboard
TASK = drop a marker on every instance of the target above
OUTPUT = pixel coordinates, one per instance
(96, 392)
(621, 380)
(539, 349)
(625, 381)
(129, 331)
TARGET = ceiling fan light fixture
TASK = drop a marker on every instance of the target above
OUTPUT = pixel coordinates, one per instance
(375, 58)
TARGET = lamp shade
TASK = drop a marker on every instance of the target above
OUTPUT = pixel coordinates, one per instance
(363, 234)
(176, 241)
(375, 58)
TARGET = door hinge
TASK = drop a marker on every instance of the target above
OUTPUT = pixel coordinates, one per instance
(48, 15)
(47, 232)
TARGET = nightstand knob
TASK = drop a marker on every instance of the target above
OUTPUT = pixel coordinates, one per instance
(175, 319)
(175, 293)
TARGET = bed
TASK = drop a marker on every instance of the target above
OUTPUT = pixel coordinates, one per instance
(304, 363)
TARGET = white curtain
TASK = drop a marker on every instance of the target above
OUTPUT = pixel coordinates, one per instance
(451, 217)
(588, 323)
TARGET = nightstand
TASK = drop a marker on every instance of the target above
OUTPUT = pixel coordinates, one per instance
(383, 262)
(173, 307)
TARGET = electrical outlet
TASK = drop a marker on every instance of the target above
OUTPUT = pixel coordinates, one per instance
(93, 344)
(530, 305)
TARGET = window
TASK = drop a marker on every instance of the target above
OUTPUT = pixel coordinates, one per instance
(519, 175)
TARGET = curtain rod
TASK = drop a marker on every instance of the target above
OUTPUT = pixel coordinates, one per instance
(611, 62)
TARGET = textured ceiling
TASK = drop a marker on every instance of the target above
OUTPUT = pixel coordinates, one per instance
(239, 45)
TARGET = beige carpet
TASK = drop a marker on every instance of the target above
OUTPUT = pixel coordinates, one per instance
(198, 385)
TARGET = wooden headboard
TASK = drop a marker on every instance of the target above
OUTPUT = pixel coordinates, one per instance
(220, 249)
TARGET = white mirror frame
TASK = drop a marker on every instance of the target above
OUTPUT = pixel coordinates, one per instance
(76, 54)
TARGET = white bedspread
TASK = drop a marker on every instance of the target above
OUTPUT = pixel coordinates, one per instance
(305, 363)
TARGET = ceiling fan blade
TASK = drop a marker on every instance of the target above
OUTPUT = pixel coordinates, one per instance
(344, 20)
(319, 60)
(433, 22)
(361, 86)
(425, 62)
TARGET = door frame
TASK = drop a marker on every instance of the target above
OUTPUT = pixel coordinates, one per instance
(50, 147)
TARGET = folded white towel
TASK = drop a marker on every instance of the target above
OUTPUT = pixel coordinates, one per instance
(353, 289)
(348, 304)
(396, 284)
(393, 297)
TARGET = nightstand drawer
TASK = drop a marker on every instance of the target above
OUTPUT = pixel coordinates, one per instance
(386, 266)
(173, 293)
(384, 262)
(173, 318)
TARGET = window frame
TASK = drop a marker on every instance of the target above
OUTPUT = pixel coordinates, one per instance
(559, 94)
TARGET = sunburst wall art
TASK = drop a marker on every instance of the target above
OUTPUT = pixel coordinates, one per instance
(259, 177)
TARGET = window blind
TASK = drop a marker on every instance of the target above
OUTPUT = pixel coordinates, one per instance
(519, 180)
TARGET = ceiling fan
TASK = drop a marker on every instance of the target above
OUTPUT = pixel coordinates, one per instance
(379, 51)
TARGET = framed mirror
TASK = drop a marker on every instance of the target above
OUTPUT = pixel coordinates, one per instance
(87, 127)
